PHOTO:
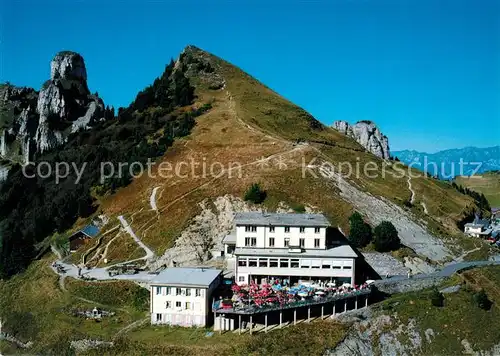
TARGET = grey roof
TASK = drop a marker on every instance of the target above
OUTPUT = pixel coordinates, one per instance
(473, 225)
(476, 225)
(257, 218)
(338, 251)
(230, 239)
(200, 277)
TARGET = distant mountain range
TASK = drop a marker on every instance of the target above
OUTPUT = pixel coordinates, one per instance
(447, 164)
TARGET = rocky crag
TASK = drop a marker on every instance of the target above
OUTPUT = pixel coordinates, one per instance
(32, 121)
(367, 134)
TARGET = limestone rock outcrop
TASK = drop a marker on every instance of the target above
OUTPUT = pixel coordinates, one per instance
(368, 135)
(65, 104)
(18, 122)
(33, 121)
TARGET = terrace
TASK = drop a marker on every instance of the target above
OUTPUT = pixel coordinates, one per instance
(254, 298)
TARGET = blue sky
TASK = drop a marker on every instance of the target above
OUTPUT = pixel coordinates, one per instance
(426, 71)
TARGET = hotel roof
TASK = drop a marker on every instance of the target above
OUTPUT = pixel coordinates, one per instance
(265, 219)
(193, 277)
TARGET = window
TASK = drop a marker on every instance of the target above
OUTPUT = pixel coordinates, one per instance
(177, 291)
(302, 229)
(168, 304)
(241, 279)
(294, 263)
(169, 291)
(158, 290)
(188, 305)
(302, 242)
(197, 292)
(316, 230)
(347, 267)
(178, 304)
(287, 228)
(250, 241)
(273, 262)
(315, 263)
(242, 262)
(326, 265)
(250, 228)
(262, 262)
(252, 262)
(284, 263)
(158, 317)
(183, 291)
(336, 267)
(188, 292)
(287, 242)
(271, 228)
(271, 242)
(316, 242)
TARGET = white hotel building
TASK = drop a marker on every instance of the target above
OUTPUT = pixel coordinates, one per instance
(183, 296)
(287, 246)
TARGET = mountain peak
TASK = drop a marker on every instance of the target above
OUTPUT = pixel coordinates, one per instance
(367, 134)
(68, 65)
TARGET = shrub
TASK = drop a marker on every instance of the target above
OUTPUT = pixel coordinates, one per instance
(255, 194)
(360, 233)
(481, 300)
(386, 237)
(140, 299)
(299, 208)
(437, 298)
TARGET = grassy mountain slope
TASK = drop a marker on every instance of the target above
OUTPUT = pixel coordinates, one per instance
(487, 183)
(271, 139)
(249, 122)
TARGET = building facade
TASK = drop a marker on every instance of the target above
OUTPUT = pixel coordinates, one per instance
(182, 296)
(81, 237)
(478, 228)
(288, 247)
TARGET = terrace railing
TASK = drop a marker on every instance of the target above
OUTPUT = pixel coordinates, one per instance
(318, 300)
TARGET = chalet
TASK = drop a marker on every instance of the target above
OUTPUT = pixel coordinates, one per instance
(81, 237)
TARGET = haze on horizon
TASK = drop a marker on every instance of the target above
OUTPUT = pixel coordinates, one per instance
(426, 72)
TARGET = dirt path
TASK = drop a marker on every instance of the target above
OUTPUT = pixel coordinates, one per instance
(131, 326)
(149, 253)
(232, 110)
(98, 244)
(221, 174)
(463, 255)
(152, 199)
(377, 210)
(412, 199)
(106, 248)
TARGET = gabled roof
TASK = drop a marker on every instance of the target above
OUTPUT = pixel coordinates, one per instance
(91, 230)
(265, 219)
(193, 277)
